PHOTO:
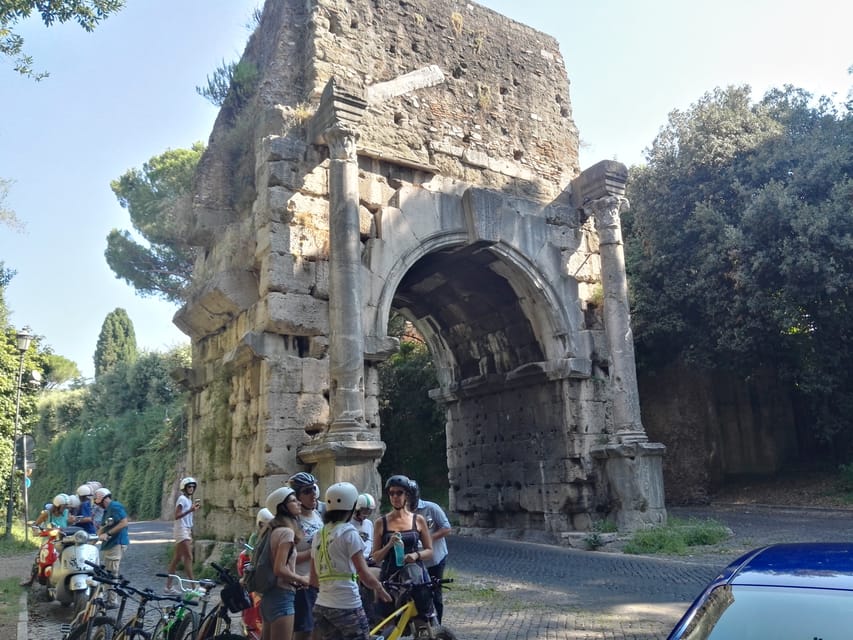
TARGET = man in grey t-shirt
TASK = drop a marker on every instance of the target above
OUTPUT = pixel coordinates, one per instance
(439, 528)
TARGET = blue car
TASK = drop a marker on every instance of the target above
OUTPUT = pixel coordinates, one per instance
(780, 592)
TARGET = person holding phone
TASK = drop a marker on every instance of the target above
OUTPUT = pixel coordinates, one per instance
(185, 507)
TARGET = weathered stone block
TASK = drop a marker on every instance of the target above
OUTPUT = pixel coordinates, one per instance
(292, 314)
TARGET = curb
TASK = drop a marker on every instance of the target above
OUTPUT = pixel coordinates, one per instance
(23, 616)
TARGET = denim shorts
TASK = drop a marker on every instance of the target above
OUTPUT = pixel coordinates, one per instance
(305, 599)
(276, 603)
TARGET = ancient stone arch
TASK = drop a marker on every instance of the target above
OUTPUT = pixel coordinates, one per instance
(417, 156)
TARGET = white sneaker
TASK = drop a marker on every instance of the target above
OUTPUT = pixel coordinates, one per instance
(171, 591)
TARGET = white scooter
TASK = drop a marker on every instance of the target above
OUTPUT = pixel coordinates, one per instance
(69, 578)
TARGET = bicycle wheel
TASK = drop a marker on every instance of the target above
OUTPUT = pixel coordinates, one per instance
(136, 634)
(100, 627)
(229, 636)
(186, 628)
(443, 633)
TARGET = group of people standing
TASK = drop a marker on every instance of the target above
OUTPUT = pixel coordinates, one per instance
(323, 552)
(92, 508)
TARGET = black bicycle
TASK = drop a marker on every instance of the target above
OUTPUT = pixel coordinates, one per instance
(94, 620)
(233, 598)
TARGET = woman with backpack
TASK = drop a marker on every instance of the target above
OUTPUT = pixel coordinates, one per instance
(337, 563)
(277, 602)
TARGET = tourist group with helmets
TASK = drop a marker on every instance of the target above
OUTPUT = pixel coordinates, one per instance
(92, 508)
(330, 557)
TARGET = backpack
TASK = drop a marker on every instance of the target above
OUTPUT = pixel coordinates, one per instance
(259, 576)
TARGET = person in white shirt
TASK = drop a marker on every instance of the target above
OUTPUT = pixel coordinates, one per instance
(364, 507)
(185, 507)
(308, 493)
(337, 564)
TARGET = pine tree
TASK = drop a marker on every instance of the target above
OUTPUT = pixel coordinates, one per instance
(116, 342)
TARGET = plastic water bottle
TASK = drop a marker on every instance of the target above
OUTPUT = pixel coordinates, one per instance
(398, 549)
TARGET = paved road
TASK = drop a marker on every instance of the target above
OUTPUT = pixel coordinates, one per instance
(508, 590)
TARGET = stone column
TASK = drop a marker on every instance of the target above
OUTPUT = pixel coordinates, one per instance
(617, 319)
(348, 451)
(632, 465)
(346, 337)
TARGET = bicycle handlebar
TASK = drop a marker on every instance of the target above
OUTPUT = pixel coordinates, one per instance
(224, 574)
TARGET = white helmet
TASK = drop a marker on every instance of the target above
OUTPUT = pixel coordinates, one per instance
(277, 497)
(365, 501)
(102, 493)
(186, 481)
(73, 502)
(264, 516)
(341, 496)
(60, 500)
(94, 484)
(84, 490)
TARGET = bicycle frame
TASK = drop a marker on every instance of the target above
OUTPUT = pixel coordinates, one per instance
(406, 614)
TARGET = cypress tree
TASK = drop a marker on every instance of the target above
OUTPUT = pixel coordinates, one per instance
(116, 342)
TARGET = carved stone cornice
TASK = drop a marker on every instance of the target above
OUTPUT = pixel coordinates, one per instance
(342, 106)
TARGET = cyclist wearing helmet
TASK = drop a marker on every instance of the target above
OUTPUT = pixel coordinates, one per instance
(114, 536)
(439, 528)
(401, 524)
(185, 507)
(263, 516)
(56, 515)
(84, 513)
(337, 563)
(278, 605)
(307, 492)
(364, 507)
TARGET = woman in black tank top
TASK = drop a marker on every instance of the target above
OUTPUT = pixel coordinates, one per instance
(411, 527)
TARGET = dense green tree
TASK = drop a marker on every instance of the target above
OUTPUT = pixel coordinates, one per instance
(739, 246)
(116, 342)
(86, 13)
(126, 430)
(163, 265)
(413, 427)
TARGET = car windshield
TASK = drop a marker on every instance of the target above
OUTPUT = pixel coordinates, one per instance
(780, 613)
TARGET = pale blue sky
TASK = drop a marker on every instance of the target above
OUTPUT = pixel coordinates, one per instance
(126, 92)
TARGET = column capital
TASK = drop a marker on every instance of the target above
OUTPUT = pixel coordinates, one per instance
(341, 140)
(607, 221)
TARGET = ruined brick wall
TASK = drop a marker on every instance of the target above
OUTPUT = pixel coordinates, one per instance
(716, 426)
(503, 117)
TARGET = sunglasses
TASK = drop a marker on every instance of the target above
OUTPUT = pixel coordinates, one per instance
(396, 492)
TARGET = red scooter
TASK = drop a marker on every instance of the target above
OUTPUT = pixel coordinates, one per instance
(252, 624)
(48, 555)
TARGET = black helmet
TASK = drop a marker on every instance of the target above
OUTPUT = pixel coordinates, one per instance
(414, 495)
(301, 480)
(399, 481)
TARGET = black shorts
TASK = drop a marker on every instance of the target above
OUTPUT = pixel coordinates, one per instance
(304, 618)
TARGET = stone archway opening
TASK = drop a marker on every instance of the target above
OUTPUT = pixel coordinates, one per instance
(510, 457)
(468, 314)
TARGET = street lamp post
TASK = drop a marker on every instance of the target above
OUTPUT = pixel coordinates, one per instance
(24, 339)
